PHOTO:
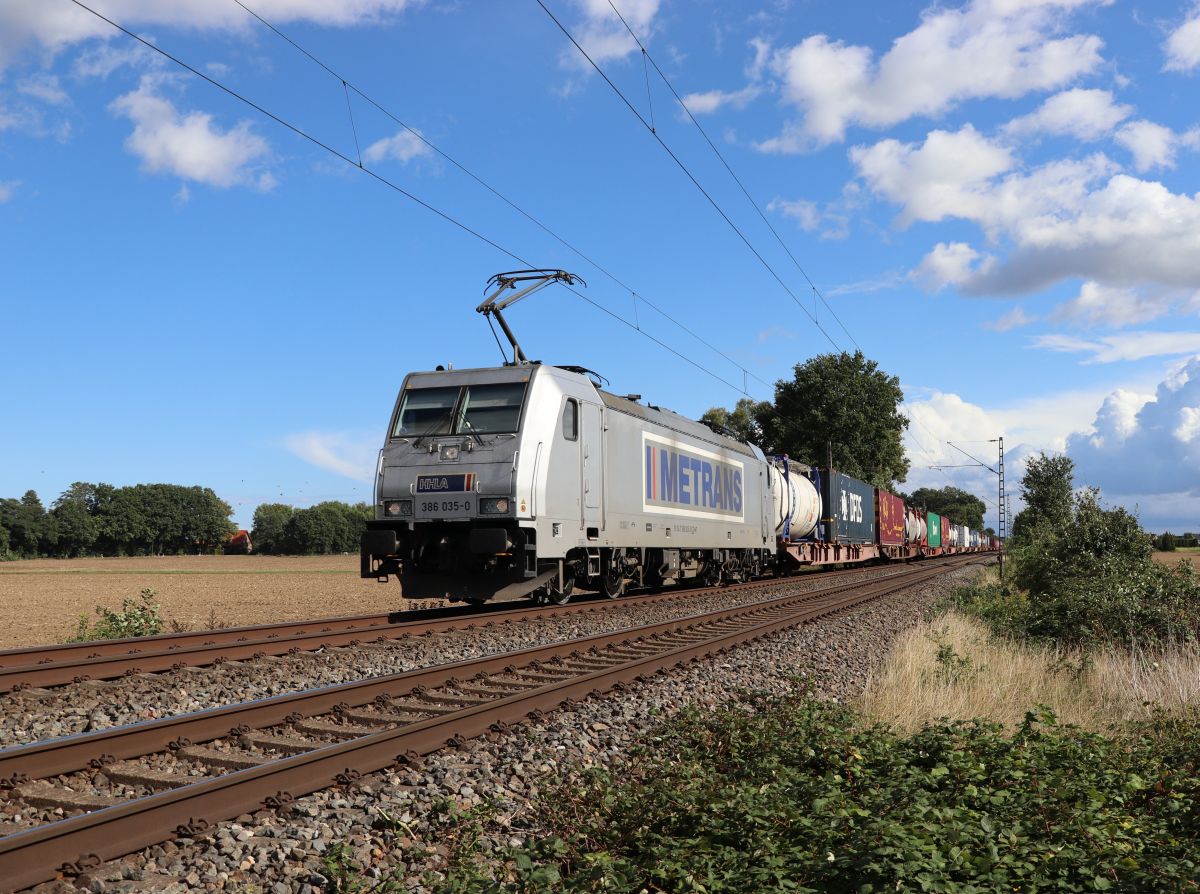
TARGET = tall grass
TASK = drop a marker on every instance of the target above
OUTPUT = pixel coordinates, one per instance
(954, 667)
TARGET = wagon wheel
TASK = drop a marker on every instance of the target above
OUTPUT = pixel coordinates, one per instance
(714, 573)
(612, 575)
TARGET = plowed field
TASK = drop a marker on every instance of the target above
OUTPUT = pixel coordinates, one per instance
(41, 599)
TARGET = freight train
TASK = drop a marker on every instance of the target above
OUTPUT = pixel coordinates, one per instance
(528, 479)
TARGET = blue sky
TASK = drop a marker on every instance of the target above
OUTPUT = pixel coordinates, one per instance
(998, 199)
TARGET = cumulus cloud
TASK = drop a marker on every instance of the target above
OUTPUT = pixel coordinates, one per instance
(1146, 445)
(1125, 346)
(1069, 218)
(603, 36)
(45, 88)
(51, 27)
(949, 263)
(806, 214)
(1082, 114)
(190, 145)
(403, 147)
(949, 175)
(344, 453)
(1014, 319)
(987, 48)
(1153, 145)
(7, 189)
(1183, 44)
(1099, 305)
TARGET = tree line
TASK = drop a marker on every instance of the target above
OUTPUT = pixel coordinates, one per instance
(166, 519)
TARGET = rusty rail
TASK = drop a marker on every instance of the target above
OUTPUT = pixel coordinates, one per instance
(83, 841)
(58, 665)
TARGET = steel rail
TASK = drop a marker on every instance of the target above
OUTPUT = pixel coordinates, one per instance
(59, 665)
(52, 757)
(81, 842)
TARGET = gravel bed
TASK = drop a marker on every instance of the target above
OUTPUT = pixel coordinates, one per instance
(43, 714)
(390, 821)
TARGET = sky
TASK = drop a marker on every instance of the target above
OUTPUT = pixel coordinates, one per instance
(996, 200)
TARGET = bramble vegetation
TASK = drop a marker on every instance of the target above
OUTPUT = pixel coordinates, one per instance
(798, 795)
(139, 616)
(1083, 575)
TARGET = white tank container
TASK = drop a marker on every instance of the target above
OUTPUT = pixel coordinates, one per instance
(797, 496)
(912, 528)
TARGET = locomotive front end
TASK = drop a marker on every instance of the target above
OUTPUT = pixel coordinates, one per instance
(447, 506)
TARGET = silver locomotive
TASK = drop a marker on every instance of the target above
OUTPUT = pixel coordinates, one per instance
(527, 479)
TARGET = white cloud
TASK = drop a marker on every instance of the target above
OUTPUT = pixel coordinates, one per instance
(1183, 44)
(52, 27)
(709, 101)
(350, 454)
(1153, 145)
(1083, 114)
(949, 175)
(1146, 445)
(44, 87)
(987, 48)
(1064, 219)
(1099, 305)
(806, 214)
(189, 145)
(1125, 346)
(403, 147)
(602, 34)
(1014, 319)
(7, 189)
(949, 263)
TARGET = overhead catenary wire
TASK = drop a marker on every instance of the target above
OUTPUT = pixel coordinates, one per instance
(736, 179)
(349, 85)
(298, 131)
(687, 171)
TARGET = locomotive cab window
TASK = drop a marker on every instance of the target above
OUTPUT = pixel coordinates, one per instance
(426, 411)
(570, 420)
(491, 409)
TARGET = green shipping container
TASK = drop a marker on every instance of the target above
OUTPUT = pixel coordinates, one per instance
(934, 536)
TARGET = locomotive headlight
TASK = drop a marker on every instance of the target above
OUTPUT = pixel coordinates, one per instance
(449, 453)
(497, 506)
(397, 508)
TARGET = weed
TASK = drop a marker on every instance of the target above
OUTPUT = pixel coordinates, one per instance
(138, 616)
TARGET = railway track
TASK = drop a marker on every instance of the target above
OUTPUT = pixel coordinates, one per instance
(63, 664)
(129, 787)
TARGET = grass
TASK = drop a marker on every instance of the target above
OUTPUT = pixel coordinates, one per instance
(954, 667)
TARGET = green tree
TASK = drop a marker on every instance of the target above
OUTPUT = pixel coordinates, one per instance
(317, 530)
(270, 527)
(1046, 488)
(1167, 542)
(742, 420)
(845, 399)
(75, 515)
(31, 530)
(956, 504)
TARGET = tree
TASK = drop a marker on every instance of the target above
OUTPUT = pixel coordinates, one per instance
(1167, 542)
(31, 531)
(742, 421)
(956, 504)
(847, 400)
(75, 514)
(270, 526)
(1046, 488)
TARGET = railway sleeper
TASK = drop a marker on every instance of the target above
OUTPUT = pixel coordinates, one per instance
(229, 760)
(318, 727)
(377, 719)
(127, 773)
(41, 793)
(282, 744)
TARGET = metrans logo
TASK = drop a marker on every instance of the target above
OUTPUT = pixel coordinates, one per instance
(688, 480)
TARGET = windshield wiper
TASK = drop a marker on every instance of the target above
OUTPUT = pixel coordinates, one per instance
(467, 422)
(430, 430)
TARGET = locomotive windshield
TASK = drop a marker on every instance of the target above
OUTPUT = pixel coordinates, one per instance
(481, 409)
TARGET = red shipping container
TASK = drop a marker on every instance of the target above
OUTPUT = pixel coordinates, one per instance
(889, 509)
(945, 531)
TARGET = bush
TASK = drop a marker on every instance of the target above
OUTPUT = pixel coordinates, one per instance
(137, 617)
(797, 795)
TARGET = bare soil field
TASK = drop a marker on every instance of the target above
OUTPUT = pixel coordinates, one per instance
(1179, 556)
(40, 599)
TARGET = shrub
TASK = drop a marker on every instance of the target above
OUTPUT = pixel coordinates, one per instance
(138, 617)
(797, 795)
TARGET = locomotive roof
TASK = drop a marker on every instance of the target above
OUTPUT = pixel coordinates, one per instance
(672, 420)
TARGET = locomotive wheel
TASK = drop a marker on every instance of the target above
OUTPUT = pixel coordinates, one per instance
(612, 576)
(560, 597)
